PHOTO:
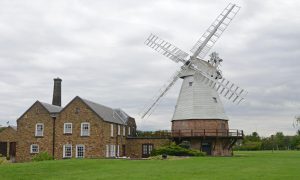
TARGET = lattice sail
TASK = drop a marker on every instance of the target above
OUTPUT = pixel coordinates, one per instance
(212, 34)
(223, 86)
(166, 49)
(155, 100)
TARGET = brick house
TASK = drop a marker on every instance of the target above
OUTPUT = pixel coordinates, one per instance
(81, 129)
(8, 139)
(87, 129)
(35, 130)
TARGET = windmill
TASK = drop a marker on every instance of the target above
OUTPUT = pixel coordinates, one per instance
(199, 111)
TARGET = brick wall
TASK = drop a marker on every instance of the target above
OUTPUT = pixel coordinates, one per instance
(26, 132)
(134, 145)
(8, 134)
(76, 113)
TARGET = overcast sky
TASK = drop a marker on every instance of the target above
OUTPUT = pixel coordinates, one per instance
(97, 48)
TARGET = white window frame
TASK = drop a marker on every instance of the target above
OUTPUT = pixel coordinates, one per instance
(124, 130)
(71, 129)
(107, 151)
(82, 133)
(111, 130)
(119, 129)
(112, 151)
(118, 150)
(37, 133)
(64, 150)
(129, 132)
(77, 146)
(37, 147)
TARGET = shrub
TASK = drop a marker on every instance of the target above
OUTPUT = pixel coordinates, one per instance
(175, 150)
(43, 156)
(3, 160)
(185, 144)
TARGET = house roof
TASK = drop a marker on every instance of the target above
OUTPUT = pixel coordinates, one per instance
(51, 108)
(108, 114)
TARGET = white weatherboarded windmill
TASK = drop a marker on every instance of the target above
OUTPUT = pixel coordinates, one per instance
(199, 115)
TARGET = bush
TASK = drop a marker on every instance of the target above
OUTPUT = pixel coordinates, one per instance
(3, 159)
(185, 144)
(43, 156)
(175, 150)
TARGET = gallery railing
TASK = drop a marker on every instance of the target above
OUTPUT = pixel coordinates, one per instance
(208, 133)
(189, 133)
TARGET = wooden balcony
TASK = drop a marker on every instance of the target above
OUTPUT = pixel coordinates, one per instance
(222, 133)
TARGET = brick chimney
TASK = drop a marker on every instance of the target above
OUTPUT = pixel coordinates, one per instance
(57, 92)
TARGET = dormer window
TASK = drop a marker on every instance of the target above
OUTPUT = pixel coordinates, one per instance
(39, 129)
(119, 130)
(112, 130)
(124, 129)
(129, 131)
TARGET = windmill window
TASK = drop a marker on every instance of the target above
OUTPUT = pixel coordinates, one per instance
(215, 99)
(190, 83)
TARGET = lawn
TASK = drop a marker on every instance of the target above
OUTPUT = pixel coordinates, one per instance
(244, 165)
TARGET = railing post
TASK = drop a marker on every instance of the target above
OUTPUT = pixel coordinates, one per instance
(237, 132)
(227, 132)
(204, 132)
(191, 132)
(217, 133)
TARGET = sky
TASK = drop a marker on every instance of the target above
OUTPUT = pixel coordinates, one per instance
(97, 48)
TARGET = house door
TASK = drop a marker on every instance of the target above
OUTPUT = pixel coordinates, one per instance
(3, 148)
(123, 150)
(146, 150)
(12, 150)
(206, 147)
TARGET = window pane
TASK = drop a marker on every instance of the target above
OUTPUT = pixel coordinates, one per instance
(85, 129)
(67, 150)
(39, 129)
(80, 151)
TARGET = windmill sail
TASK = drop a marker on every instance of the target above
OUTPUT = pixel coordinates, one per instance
(210, 37)
(206, 74)
(166, 49)
(155, 100)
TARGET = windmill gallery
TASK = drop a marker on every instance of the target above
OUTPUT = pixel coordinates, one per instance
(85, 129)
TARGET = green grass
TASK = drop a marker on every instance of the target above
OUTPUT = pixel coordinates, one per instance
(244, 165)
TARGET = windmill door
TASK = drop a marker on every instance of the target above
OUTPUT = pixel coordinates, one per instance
(3, 148)
(206, 147)
(146, 150)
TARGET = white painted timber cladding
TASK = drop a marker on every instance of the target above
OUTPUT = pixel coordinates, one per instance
(197, 101)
